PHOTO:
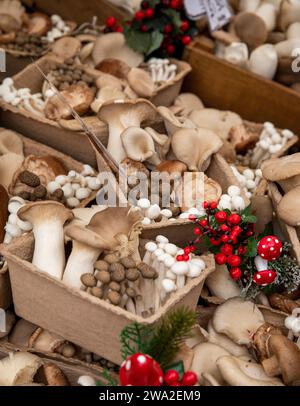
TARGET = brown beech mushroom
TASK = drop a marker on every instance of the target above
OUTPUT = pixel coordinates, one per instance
(54, 375)
(288, 209)
(195, 147)
(251, 29)
(11, 15)
(19, 368)
(141, 83)
(285, 171)
(139, 145)
(113, 45)
(39, 24)
(120, 115)
(284, 360)
(283, 303)
(66, 47)
(289, 13)
(79, 96)
(188, 102)
(47, 219)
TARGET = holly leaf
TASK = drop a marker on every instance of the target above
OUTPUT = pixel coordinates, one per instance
(178, 366)
(252, 247)
(249, 219)
(247, 211)
(174, 17)
(155, 41)
(143, 42)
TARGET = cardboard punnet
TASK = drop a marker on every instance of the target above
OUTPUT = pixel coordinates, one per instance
(5, 289)
(76, 315)
(71, 367)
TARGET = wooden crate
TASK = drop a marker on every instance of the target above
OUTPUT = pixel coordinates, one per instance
(227, 87)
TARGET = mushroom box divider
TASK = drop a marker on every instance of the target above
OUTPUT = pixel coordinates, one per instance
(72, 368)
(42, 129)
(77, 316)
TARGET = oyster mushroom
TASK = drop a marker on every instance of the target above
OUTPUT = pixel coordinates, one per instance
(47, 219)
(11, 15)
(188, 102)
(105, 94)
(238, 320)
(10, 141)
(172, 122)
(113, 45)
(66, 47)
(104, 232)
(39, 24)
(141, 83)
(19, 368)
(195, 147)
(114, 67)
(9, 164)
(121, 115)
(221, 284)
(79, 96)
(161, 141)
(240, 372)
(288, 208)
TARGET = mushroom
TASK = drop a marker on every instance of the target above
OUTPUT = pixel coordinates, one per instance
(104, 232)
(79, 96)
(264, 61)
(221, 284)
(54, 375)
(106, 93)
(47, 219)
(9, 321)
(240, 372)
(284, 360)
(293, 32)
(9, 164)
(121, 115)
(11, 15)
(172, 167)
(172, 122)
(238, 320)
(19, 368)
(4, 199)
(283, 303)
(251, 29)
(10, 141)
(188, 102)
(289, 13)
(195, 147)
(292, 323)
(286, 48)
(114, 67)
(268, 13)
(39, 24)
(141, 83)
(66, 47)
(113, 45)
(285, 171)
(288, 209)
(162, 142)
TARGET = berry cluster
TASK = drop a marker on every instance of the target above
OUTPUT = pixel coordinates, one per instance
(112, 25)
(171, 378)
(227, 235)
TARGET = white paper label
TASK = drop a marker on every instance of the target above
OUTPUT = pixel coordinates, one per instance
(194, 9)
(218, 13)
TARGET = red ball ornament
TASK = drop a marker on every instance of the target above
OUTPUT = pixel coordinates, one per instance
(149, 13)
(220, 258)
(168, 28)
(234, 219)
(186, 39)
(227, 249)
(197, 231)
(237, 230)
(175, 384)
(187, 250)
(139, 15)
(171, 49)
(193, 248)
(215, 242)
(185, 26)
(269, 248)
(186, 258)
(264, 278)
(224, 228)
(235, 273)
(189, 379)
(234, 260)
(110, 21)
(221, 216)
(141, 370)
(171, 377)
(242, 250)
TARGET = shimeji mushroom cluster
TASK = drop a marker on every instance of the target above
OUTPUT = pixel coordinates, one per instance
(161, 70)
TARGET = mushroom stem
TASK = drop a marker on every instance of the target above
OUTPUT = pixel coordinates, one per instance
(271, 366)
(260, 263)
(115, 144)
(81, 261)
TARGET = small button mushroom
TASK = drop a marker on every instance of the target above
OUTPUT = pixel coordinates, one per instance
(147, 271)
(40, 192)
(111, 258)
(88, 280)
(13, 230)
(114, 286)
(101, 265)
(234, 191)
(61, 179)
(128, 262)
(93, 183)
(68, 350)
(117, 272)
(82, 193)
(132, 274)
(97, 292)
(75, 186)
(161, 239)
(68, 190)
(53, 186)
(168, 285)
(146, 221)
(103, 277)
(114, 297)
(72, 202)
(180, 269)
(87, 171)
(153, 212)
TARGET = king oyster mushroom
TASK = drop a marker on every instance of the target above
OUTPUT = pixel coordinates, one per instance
(120, 115)
(19, 368)
(113, 229)
(47, 219)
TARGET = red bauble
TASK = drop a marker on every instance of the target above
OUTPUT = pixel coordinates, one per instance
(227, 249)
(168, 28)
(224, 228)
(221, 216)
(189, 379)
(220, 259)
(149, 12)
(269, 248)
(205, 205)
(118, 29)
(185, 26)
(234, 219)
(110, 21)
(141, 370)
(193, 248)
(192, 217)
(171, 377)
(187, 250)
(176, 4)
(237, 230)
(139, 15)
(236, 273)
(215, 242)
(263, 278)
(234, 260)
(186, 258)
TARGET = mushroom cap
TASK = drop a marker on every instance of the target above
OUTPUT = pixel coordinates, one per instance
(238, 319)
(189, 102)
(129, 112)
(251, 29)
(10, 141)
(172, 122)
(288, 208)
(19, 368)
(287, 354)
(47, 211)
(172, 167)
(281, 168)
(66, 47)
(140, 82)
(21, 333)
(180, 268)
(9, 164)
(113, 45)
(221, 284)
(240, 372)
(115, 67)
(138, 144)
(194, 147)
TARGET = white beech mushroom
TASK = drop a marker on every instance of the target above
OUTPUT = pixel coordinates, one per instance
(19, 368)
(289, 13)
(121, 115)
(47, 219)
(139, 145)
(264, 61)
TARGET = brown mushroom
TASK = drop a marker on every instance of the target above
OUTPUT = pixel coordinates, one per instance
(283, 303)
(261, 337)
(101, 265)
(103, 276)
(11, 15)
(141, 83)
(54, 375)
(39, 24)
(66, 47)
(171, 167)
(88, 280)
(128, 262)
(251, 29)
(114, 67)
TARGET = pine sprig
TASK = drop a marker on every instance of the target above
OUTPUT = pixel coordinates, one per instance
(133, 339)
(110, 381)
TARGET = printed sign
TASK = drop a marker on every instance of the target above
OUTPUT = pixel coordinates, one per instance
(218, 11)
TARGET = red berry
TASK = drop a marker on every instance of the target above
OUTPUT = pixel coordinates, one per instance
(242, 250)
(141, 370)
(234, 260)
(203, 223)
(205, 205)
(269, 248)
(215, 242)
(197, 231)
(118, 29)
(179, 258)
(224, 228)
(185, 26)
(192, 217)
(149, 12)
(227, 249)
(165, 3)
(237, 230)
(175, 384)
(110, 21)
(221, 216)
(168, 28)
(176, 4)
(249, 233)
(144, 28)
(187, 250)
(139, 15)
(186, 258)
(189, 379)
(213, 205)
(224, 238)
(171, 49)
(186, 39)
(193, 248)
(220, 259)
(236, 273)
(234, 219)
(171, 376)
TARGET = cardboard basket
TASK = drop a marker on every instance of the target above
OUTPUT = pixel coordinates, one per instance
(225, 86)
(5, 289)
(77, 316)
(71, 367)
